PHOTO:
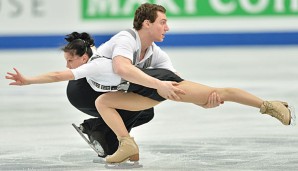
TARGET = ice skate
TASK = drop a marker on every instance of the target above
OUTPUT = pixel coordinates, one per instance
(127, 150)
(279, 110)
(95, 145)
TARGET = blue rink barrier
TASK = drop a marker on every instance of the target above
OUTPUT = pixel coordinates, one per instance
(171, 40)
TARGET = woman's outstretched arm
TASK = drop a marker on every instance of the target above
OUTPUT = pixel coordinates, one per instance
(19, 79)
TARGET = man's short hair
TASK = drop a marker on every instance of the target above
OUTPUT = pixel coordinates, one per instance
(146, 12)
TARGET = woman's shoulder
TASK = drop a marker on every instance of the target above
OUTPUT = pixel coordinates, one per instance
(100, 60)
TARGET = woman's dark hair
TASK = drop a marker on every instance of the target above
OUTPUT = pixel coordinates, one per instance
(79, 44)
(146, 12)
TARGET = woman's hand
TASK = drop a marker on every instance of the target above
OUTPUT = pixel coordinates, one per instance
(17, 77)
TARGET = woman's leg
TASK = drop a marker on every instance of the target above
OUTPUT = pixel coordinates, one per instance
(198, 94)
(108, 102)
(194, 93)
(128, 149)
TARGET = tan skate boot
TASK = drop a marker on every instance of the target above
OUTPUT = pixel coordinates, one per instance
(128, 149)
(277, 109)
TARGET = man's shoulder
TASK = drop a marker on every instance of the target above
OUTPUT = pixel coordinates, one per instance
(126, 34)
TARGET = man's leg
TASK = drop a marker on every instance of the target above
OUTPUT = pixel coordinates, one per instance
(144, 117)
(131, 119)
(82, 96)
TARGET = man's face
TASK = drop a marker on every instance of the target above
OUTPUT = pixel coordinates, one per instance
(74, 61)
(159, 27)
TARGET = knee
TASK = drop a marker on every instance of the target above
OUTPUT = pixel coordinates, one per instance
(100, 102)
(225, 93)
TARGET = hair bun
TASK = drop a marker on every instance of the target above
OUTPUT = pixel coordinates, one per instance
(73, 36)
(81, 36)
(87, 38)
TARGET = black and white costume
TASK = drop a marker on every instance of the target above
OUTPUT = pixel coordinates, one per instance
(97, 77)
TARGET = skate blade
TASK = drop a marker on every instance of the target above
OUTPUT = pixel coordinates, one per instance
(99, 160)
(124, 165)
(99, 152)
(293, 115)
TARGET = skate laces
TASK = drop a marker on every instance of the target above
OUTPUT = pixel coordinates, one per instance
(274, 111)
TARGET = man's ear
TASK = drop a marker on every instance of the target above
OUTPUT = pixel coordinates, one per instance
(146, 23)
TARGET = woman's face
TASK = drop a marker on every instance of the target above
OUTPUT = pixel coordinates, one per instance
(74, 61)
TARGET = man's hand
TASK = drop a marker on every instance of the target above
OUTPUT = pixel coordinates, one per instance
(169, 90)
(213, 101)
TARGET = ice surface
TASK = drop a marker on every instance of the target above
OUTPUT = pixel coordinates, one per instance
(36, 131)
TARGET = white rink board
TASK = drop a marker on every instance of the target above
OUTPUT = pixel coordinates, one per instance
(49, 17)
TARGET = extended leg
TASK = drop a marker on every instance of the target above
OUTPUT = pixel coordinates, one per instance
(198, 94)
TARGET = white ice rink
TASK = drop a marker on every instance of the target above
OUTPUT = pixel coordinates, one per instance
(36, 131)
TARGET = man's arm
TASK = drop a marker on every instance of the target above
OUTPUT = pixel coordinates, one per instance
(124, 68)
